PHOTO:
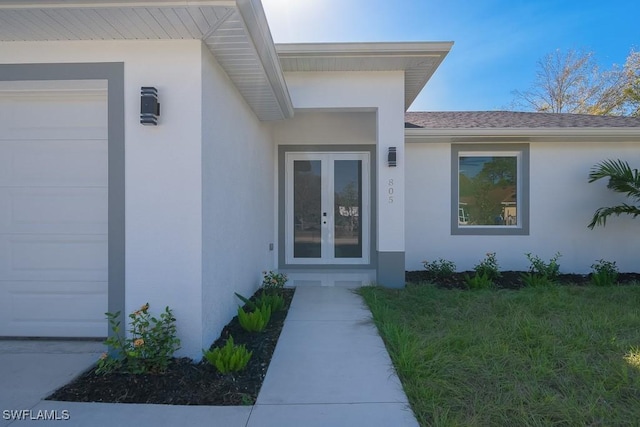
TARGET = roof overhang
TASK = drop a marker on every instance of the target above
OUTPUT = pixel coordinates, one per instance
(439, 135)
(418, 60)
(235, 31)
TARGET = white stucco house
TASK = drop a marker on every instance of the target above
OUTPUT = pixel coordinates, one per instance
(294, 158)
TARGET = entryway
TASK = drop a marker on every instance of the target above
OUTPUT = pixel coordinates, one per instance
(327, 208)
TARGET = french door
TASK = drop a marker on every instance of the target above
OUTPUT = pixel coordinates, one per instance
(327, 208)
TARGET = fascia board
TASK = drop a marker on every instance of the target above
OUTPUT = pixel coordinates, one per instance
(364, 49)
(256, 23)
(385, 54)
(44, 4)
(449, 135)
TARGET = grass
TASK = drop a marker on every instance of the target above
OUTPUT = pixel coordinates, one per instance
(534, 357)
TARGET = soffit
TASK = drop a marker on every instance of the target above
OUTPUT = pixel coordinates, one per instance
(418, 60)
(235, 32)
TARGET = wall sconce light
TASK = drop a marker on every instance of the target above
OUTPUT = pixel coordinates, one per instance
(149, 106)
(391, 157)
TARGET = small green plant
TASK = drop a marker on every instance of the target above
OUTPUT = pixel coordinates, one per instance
(604, 273)
(488, 267)
(539, 267)
(440, 268)
(273, 282)
(229, 358)
(250, 304)
(274, 301)
(535, 280)
(247, 400)
(256, 320)
(479, 281)
(147, 349)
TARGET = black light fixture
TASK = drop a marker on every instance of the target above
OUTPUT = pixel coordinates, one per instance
(391, 157)
(149, 106)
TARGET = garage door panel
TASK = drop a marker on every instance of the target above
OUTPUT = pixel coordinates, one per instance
(56, 257)
(45, 308)
(53, 114)
(53, 163)
(54, 210)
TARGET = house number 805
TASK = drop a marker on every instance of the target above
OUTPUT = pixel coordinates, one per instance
(390, 191)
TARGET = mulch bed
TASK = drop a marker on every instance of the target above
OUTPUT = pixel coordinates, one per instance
(187, 382)
(509, 279)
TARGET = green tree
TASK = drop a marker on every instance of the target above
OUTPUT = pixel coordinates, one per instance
(466, 185)
(485, 209)
(500, 171)
(622, 179)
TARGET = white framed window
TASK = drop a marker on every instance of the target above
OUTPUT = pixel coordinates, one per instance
(490, 189)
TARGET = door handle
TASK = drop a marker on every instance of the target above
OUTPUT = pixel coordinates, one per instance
(324, 215)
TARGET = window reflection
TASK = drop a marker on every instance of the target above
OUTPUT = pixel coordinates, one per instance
(487, 191)
(347, 208)
(307, 205)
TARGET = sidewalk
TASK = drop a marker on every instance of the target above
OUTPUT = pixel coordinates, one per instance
(330, 368)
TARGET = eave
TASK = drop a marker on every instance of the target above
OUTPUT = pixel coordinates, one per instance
(418, 60)
(235, 31)
(480, 135)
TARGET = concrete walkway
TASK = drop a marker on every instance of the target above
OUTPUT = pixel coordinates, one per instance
(330, 368)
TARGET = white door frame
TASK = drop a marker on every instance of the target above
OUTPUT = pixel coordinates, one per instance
(327, 195)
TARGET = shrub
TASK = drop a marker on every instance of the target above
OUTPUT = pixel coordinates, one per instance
(540, 268)
(605, 273)
(273, 301)
(256, 320)
(536, 280)
(148, 348)
(273, 282)
(440, 268)
(488, 266)
(479, 281)
(249, 304)
(229, 358)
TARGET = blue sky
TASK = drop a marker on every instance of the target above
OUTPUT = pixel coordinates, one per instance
(497, 42)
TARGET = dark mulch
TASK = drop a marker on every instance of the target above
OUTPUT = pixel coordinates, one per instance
(186, 382)
(509, 279)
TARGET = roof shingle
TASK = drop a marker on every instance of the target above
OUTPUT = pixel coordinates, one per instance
(513, 119)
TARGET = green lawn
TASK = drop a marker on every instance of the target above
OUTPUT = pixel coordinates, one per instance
(534, 357)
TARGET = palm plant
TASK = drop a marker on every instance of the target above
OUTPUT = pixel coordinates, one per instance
(622, 179)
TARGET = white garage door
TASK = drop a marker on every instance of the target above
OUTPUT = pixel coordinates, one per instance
(53, 209)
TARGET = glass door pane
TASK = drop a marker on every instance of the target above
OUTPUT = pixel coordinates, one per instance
(327, 204)
(347, 201)
(307, 209)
